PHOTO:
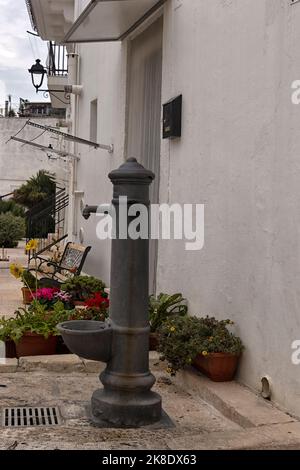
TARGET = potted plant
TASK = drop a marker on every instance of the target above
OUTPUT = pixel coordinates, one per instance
(27, 278)
(160, 309)
(83, 287)
(97, 307)
(220, 350)
(205, 343)
(49, 296)
(34, 330)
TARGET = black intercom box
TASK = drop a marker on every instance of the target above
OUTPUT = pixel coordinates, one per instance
(172, 116)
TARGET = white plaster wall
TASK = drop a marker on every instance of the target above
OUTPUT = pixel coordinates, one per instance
(103, 76)
(18, 162)
(234, 62)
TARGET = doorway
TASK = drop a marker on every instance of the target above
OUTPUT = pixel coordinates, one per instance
(144, 113)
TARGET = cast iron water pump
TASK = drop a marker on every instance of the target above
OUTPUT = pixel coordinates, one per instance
(122, 342)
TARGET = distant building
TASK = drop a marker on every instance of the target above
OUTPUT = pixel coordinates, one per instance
(39, 109)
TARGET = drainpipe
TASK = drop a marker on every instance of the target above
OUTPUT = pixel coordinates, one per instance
(73, 64)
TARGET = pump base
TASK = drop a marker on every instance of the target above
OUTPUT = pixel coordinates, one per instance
(126, 408)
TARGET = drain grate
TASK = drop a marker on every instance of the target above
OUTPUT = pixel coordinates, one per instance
(23, 417)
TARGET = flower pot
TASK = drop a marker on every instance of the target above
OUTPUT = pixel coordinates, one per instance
(153, 341)
(10, 349)
(32, 344)
(27, 297)
(219, 367)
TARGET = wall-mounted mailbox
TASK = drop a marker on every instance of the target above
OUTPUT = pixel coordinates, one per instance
(172, 115)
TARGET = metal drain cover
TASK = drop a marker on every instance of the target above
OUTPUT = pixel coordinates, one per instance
(30, 416)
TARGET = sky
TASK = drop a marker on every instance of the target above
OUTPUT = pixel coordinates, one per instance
(18, 51)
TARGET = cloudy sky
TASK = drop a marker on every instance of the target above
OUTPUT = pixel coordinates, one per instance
(18, 51)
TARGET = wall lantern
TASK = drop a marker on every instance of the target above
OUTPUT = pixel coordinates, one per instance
(38, 73)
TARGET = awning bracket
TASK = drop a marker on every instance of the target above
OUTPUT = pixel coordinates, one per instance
(79, 140)
(61, 153)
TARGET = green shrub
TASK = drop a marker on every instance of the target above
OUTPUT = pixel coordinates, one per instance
(162, 307)
(34, 320)
(29, 280)
(181, 339)
(11, 206)
(82, 287)
(36, 190)
(12, 229)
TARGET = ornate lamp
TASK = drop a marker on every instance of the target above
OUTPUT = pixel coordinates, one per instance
(37, 72)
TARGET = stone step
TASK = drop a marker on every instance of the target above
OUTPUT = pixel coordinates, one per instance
(272, 437)
(233, 400)
(66, 363)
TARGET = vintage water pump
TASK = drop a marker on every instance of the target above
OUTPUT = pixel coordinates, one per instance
(122, 341)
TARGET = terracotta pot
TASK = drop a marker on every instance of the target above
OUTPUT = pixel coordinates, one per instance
(10, 349)
(153, 341)
(32, 344)
(27, 298)
(219, 367)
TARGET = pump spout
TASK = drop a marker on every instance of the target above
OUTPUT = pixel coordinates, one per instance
(101, 209)
(88, 210)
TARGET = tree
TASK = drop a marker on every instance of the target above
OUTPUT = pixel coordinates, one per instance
(36, 190)
(11, 206)
(12, 229)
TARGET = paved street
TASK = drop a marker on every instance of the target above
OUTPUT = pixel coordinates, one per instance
(67, 382)
(10, 288)
(205, 415)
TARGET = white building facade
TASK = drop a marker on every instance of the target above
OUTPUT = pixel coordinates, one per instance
(19, 162)
(234, 63)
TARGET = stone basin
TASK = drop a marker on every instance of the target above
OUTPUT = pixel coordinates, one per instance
(87, 338)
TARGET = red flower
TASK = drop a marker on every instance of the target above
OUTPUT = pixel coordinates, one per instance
(97, 301)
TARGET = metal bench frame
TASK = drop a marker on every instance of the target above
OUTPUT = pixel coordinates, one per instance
(52, 278)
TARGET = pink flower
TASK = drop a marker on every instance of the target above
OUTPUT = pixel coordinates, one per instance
(63, 296)
(45, 293)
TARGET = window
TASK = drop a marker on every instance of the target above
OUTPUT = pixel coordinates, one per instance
(94, 121)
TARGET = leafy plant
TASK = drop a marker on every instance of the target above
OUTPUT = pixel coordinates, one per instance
(83, 287)
(34, 320)
(12, 229)
(181, 339)
(29, 279)
(25, 275)
(217, 339)
(163, 306)
(12, 207)
(92, 313)
(49, 296)
(36, 190)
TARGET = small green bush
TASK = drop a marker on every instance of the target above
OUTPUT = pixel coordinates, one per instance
(36, 190)
(13, 207)
(34, 320)
(164, 306)
(181, 339)
(83, 287)
(12, 229)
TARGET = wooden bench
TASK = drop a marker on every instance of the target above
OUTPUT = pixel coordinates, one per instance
(51, 274)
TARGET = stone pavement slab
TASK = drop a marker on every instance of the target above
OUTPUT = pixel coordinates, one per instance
(71, 393)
